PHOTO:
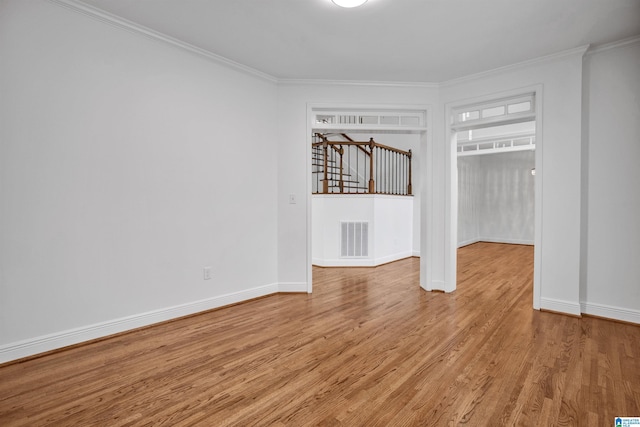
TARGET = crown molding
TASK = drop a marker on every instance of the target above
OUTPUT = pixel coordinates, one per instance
(124, 24)
(320, 82)
(613, 45)
(558, 55)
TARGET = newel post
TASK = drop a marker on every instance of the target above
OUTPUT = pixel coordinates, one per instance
(372, 185)
(409, 189)
(325, 182)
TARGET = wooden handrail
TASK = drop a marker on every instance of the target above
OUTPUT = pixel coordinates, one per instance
(363, 144)
(396, 150)
(348, 138)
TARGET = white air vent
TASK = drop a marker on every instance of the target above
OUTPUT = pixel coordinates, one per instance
(354, 239)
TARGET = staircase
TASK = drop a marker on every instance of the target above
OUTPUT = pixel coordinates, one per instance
(339, 179)
(344, 166)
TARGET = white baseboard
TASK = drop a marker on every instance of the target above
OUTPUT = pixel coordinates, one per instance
(361, 262)
(468, 242)
(435, 285)
(494, 240)
(292, 287)
(393, 257)
(509, 241)
(344, 262)
(416, 253)
(41, 344)
(560, 306)
(611, 312)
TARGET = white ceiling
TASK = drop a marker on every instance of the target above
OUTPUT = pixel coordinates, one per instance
(384, 40)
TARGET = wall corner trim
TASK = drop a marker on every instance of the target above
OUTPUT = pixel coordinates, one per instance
(58, 340)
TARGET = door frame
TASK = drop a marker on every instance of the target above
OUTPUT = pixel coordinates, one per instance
(423, 155)
(451, 185)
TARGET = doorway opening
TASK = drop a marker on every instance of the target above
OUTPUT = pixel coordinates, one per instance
(496, 184)
(495, 187)
(371, 207)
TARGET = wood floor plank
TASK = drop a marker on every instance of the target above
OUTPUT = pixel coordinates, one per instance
(368, 348)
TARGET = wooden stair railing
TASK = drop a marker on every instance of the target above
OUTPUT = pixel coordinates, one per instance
(369, 167)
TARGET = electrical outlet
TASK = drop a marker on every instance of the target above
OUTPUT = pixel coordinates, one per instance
(292, 199)
(207, 273)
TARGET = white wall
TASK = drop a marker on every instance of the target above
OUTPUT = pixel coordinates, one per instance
(390, 221)
(118, 180)
(496, 198)
(612, 183)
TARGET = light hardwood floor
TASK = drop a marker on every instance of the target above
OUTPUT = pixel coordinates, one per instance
(367, 348)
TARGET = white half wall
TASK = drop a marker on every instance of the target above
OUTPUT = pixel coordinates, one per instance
(393, 227)
(390, 224)
(119, 179)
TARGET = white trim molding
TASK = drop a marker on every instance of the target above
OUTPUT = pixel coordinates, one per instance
(320, 82)
(363, 262)
(611, 312)
(124, 24)
(116, 21)
(58, 340)
(436, 285)
(497, 240)
(560, 306)
(619, 43)
(292, 287)
(558, 55)
(508, 241)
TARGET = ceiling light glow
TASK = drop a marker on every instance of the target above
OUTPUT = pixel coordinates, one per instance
(349, 3)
